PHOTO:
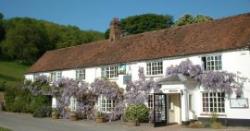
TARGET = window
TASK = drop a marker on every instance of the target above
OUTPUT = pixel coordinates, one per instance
(110, 71)
(212, 62)
(80, 74)
(36, 76)
(73, 103)
(55, 76)
(213, 102)
(105, 104)
(150, 101)
(154, 68)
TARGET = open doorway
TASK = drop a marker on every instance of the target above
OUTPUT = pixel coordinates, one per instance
(174, 108)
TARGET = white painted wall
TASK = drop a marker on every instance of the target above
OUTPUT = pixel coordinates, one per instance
(237, 61)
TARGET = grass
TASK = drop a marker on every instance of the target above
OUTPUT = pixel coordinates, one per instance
(12, 72)
(4, 129)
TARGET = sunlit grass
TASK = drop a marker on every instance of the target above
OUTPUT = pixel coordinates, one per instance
(4, 129)
(11, 72)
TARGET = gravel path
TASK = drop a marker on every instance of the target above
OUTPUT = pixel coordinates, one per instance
(25, 122)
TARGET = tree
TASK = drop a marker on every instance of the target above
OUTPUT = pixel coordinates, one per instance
(143, 23)
(2, 31)
(184, 20)
(1, 16)
(25, 40)
(189, 19)
(202, 18)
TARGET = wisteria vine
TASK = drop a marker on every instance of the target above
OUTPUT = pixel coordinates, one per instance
(210, 80)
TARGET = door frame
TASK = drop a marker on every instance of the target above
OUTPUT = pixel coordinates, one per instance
(180, 107)
(163, 122)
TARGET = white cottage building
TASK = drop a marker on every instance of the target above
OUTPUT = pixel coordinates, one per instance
(220, 45)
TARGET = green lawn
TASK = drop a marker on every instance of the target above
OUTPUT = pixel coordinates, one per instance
(4, 129)
(11, 72)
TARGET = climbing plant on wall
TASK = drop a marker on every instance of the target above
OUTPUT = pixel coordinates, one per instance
(210, 80)
(137, 91)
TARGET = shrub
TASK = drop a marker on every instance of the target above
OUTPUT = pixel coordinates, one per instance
(2, 85)
(214, 117)
(18, 99)
(196, 124)
(37, 102)
(137, 112)
(4, 129)
(99, 114)
(44, 111)
(216, 125)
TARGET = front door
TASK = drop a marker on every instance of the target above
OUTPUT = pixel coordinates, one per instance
(160, 109)
(174, 109)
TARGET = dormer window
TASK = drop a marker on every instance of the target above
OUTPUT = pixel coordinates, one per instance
(212, 63)
(154, 68)
(110, 71)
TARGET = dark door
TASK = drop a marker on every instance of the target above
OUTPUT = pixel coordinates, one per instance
(160, 110)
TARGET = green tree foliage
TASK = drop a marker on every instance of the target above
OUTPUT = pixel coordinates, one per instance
(189, 19)
(1, 16)
(26, 39)
(143, 23)
(65, 36)
(1, 27)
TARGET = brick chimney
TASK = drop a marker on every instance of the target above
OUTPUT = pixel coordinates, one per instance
(115, 31)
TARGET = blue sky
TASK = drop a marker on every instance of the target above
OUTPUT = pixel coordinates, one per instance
(96, 14)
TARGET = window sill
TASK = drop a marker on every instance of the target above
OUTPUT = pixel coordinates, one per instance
(114, 78)
(80, 79)
(210, 114)
(148, 76)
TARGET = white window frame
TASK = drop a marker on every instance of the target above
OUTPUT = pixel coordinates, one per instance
(36, 76)
(154, 68)
(213, 102)
(110, 71)
(212, 62)
(150, 101)
(55, 76)
(73, 103)
(80, 74)
(105, 105)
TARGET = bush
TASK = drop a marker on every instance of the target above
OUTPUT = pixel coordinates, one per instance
(44, 111)
(196, 124)
(216, 125)
(2, 85)
(137, 112)
(18, 99)
(214, 122)
(4, 129)
(37, 102)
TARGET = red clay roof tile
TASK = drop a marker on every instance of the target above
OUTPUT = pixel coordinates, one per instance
(224, 34)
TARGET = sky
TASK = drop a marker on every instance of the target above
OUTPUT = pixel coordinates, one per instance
(97, 14)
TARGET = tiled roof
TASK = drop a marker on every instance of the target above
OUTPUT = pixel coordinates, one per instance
(219, 35)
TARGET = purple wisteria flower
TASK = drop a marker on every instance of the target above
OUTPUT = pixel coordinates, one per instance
(210, 80)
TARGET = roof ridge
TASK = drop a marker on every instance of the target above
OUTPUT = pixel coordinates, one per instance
(153, 31)
(164, 43)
